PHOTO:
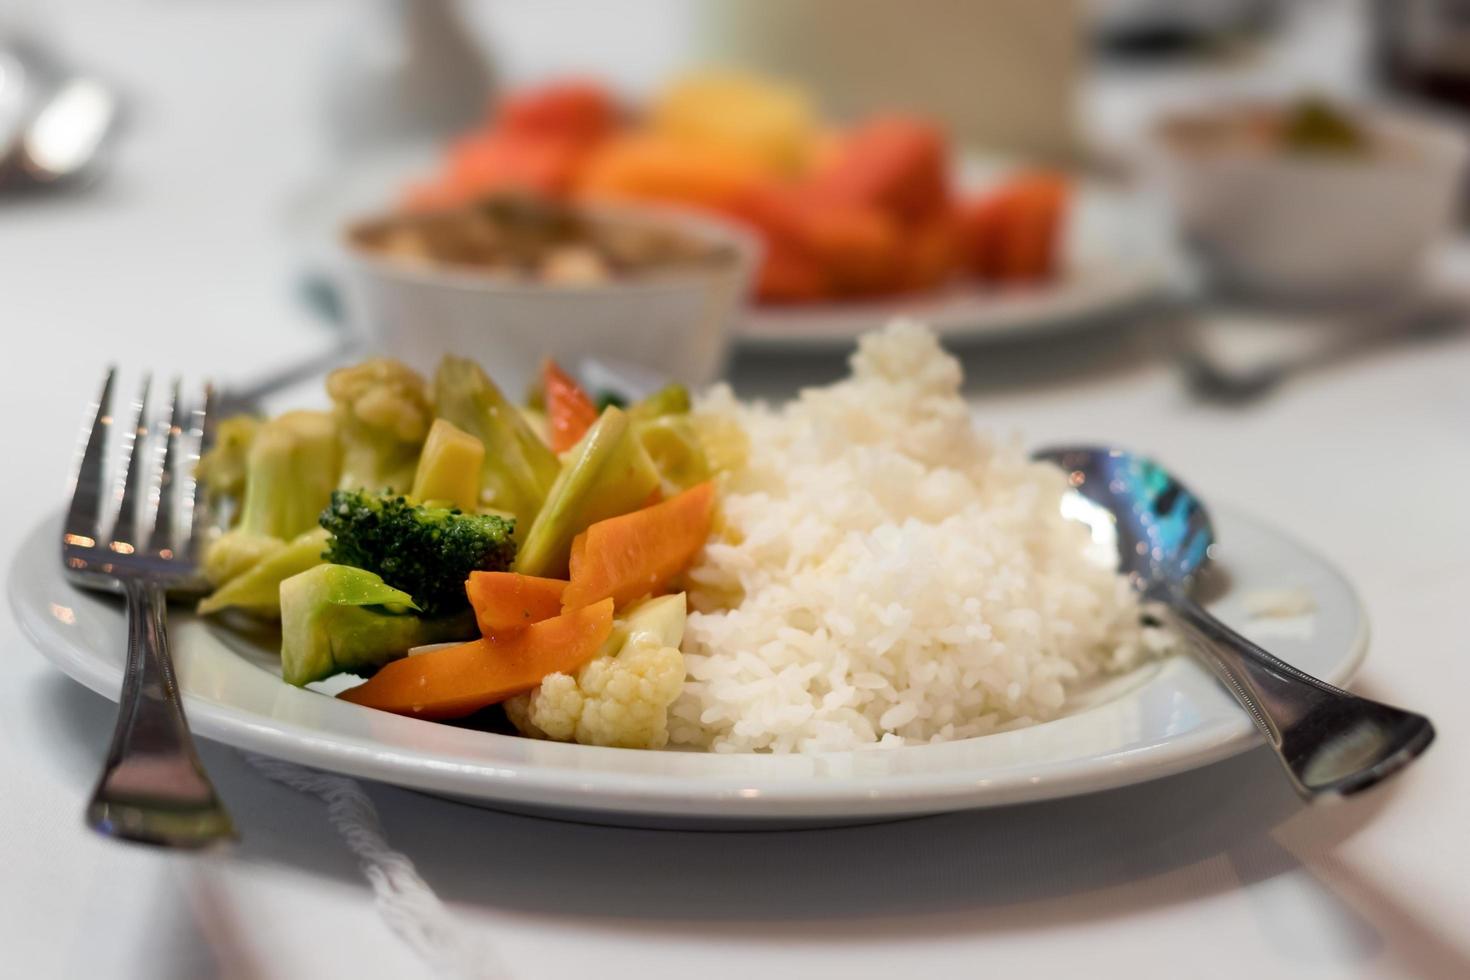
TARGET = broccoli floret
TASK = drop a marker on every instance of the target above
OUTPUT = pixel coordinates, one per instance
(382, 409)
(605, 398)
(336, 619)
(427, 551)
(519, 467)
(290, 473)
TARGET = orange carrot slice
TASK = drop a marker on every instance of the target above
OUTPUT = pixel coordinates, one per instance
(637, 554)
(568, 409)
(507, 600)
(460, 680)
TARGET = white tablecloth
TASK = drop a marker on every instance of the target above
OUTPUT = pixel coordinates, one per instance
(176, 262)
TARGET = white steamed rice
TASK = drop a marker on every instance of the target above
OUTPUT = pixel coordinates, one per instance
(883, 573)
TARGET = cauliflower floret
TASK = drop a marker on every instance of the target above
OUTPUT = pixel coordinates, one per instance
(382, 407)
(620, 698)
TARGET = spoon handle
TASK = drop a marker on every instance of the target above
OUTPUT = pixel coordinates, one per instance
(1331, 742)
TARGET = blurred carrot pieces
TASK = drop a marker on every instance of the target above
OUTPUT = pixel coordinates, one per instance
(658, 169)
(1013, 233)
(817, 247)
(790, 275)
(577, 111)
(898, 164)
(487, 163)
(931, 252)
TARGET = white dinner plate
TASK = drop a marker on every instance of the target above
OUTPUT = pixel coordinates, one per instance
(1163, 718)
(1117, 255)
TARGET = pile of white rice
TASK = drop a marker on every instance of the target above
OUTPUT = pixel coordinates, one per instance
(884, 573)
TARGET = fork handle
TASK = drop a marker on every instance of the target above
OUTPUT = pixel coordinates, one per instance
(153, 788)
(1331, 742)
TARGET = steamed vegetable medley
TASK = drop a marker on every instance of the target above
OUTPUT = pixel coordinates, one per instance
(458, 551)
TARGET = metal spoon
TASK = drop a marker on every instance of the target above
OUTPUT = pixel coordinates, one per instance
(1332, 743)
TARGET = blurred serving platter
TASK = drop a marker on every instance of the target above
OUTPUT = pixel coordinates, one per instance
(1115, 257)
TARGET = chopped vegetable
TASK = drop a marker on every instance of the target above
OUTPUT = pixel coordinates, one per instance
(897, 164)
(606, 398)
(427, 551)
(519, 469)
(449, 468)
(673, 443)
(508, 600)
(668, 171)
(487, 163)
(638, 554)
(671, 399)
(382, 410)
(292, 467)
(568, 409)
(457, 681)
(258, 590)
(222, 469)
(609, 473)
(336, 619)
(575, 111)
(1012, 234)
(767, 122)
(621, 697)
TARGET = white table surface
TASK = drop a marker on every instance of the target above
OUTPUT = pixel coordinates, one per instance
(176, 262)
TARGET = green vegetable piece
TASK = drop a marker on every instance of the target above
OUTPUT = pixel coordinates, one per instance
(257, 590)
(425, 550)
(669, 400)
(674, 445)
(659, 621)
(519, 468)
(336, 619)
(608, 474)
(449, 469)
(382, 408)
(222, 469)
(291, 470)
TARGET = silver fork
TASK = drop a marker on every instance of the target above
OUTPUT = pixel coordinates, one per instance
(153, 788)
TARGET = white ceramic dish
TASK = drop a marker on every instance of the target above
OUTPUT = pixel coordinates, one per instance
(1298, 226)
(1160, 719)
(676, 323)
(1117, 256)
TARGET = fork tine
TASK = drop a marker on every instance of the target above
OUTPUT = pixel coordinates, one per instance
(192, 491)
(125, 528)
(161, 541)
(83, 516)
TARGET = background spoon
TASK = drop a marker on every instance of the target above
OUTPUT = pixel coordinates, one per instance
(1331, 742)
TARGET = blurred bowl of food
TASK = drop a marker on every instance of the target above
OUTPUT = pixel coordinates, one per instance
(1310, 201)
(512, 279)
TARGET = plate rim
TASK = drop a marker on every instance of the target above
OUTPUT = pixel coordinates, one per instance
(666, 795)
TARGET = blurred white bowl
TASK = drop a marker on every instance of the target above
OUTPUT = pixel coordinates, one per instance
(676, 323)
(1311, 226)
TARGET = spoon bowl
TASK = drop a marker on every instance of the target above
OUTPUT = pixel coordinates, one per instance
(1331, 743)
